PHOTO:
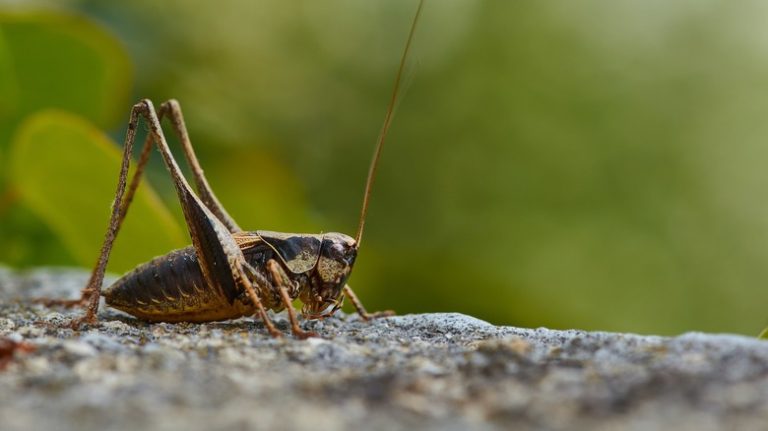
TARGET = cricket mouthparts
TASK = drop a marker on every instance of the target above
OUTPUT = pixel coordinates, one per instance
(321, 309)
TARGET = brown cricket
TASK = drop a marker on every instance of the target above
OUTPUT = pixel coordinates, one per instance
(227, 272)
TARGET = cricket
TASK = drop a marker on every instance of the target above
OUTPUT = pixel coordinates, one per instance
(227, 272)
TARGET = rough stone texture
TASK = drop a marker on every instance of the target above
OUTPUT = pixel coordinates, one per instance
(429, 371)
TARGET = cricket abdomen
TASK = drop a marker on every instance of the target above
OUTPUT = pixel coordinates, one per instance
(171, 288)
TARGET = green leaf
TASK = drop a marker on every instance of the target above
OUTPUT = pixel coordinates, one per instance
(53, 60)
(66, 171)
(763, 334)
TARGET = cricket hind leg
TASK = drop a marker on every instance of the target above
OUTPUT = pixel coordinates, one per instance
(172, 109)
(365, 315)
(119, 207)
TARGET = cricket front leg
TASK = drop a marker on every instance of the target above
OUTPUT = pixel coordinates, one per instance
(280, 279)
(244, 269)
(361, 310)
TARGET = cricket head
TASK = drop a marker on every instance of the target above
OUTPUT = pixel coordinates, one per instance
(334, 264)
(326, 260)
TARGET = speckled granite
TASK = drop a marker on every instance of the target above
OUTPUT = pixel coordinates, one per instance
(429, 371)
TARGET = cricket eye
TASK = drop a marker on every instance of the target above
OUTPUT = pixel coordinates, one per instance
(336, 252)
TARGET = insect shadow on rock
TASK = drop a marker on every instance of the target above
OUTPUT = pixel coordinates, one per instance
(227, 272)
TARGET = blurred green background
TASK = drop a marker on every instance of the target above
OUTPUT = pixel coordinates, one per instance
(572, 164)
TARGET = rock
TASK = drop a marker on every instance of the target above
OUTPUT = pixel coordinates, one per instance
(430, 371)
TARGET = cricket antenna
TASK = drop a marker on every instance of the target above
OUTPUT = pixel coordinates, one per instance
(385, 127)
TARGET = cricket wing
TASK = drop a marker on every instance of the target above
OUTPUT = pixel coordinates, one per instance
(247, 240)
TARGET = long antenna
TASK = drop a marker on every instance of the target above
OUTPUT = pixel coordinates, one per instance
(385, 127)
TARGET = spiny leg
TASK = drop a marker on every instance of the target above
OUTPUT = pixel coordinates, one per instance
(251, 292)
(124, 204)
(91, 293)
(114, 225)
(173, 109)
(280, 278)
(361, 310)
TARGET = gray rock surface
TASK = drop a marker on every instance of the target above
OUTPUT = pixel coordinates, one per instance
(429, 371)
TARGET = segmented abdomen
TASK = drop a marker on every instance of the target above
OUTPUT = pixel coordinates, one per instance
(171, 288)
